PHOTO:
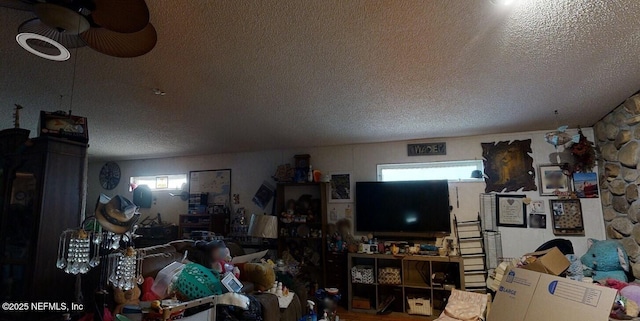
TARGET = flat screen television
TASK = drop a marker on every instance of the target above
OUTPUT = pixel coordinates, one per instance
(411, 208)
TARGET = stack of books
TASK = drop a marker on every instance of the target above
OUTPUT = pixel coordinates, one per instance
(494, 279)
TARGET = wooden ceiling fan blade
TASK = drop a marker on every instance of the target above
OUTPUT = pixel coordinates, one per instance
(125, 16)
(36, 26)
(61, 18)
(24, 5)
(124, 45)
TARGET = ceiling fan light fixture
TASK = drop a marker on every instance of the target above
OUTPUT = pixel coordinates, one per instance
(23, 38)
(36, 26)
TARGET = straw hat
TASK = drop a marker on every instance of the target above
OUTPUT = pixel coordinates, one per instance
(116, 214)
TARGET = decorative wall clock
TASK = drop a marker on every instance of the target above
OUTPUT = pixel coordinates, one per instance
(109, 175)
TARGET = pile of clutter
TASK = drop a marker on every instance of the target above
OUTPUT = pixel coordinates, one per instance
(605, 264)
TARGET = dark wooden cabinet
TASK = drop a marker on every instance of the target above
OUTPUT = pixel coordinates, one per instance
(156, 235)
(336, 274)
(42, 185)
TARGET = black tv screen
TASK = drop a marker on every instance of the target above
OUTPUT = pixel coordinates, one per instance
(403, 208)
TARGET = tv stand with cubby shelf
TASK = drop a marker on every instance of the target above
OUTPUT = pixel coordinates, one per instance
(415, 272)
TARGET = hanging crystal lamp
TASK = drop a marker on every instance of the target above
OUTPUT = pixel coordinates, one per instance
(74, 251)
(82, 248)
(79, 249)
(126, 269)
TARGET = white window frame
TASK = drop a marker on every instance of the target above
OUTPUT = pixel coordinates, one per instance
(477, 164)
(153, 178)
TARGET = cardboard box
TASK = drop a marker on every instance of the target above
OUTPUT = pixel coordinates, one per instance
(526, 295)
(360, 303)
(551, 261)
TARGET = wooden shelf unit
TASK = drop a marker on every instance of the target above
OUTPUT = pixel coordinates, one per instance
(289, 241)
(412, 269)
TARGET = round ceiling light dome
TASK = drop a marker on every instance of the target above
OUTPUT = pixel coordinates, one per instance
(23, 38)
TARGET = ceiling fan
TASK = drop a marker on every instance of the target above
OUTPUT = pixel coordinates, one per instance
(118, 28)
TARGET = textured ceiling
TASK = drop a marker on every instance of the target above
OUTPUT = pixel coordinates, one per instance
(249, 75)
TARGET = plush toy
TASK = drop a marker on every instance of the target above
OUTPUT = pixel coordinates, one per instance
(128, 297)
(261, 274)
(147, 294)
(217, 257)
(632, 294)
(221, 257)
(627, 301)
(604, 260)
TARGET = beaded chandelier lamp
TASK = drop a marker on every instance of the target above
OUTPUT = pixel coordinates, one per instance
(107, 238)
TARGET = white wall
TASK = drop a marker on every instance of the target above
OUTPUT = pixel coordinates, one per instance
(250, 169)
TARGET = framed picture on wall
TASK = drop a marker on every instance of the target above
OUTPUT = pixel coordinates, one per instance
(538, 221)
(567, 217)
(209, 188)
(511, 211)
(553, 180)
(585, 185)
(341, 188)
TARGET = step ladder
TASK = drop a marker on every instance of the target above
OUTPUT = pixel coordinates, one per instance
(471, 244)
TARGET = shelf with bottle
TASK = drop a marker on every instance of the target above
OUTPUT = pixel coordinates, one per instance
(240, 229)
(300, 231)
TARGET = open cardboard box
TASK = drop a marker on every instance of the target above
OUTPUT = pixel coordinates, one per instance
(526, 295)
(550, 261)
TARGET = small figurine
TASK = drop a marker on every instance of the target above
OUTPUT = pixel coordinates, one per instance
(16, 116)
(339, 243)
(395, 249)
(559, 137)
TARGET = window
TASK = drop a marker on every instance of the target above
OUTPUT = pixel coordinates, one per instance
(161, 182)
(452, 171)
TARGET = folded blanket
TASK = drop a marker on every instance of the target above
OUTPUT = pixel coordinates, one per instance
(234, 299)
(463, 311)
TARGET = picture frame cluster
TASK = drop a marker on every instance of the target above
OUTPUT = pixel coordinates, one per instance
(565, 205)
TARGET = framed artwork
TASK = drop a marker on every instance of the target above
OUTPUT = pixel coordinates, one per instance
(264, 195)
(538, 221)
(585, 185)
(341, 188)
(508, 166)
(162, 182)
(511, 211)
(553, 180)
(567, 217)
(231, 283)
(209, 188)
(537, 207)
(61, 124)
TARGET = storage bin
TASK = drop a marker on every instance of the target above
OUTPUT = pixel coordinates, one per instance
(389, 275)
(153, 316)
(164, 278)
(360, 303)
(362, 274)
(419, 306)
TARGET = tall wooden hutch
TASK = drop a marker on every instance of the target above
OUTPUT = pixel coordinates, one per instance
(42, 183)
(302, 222)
